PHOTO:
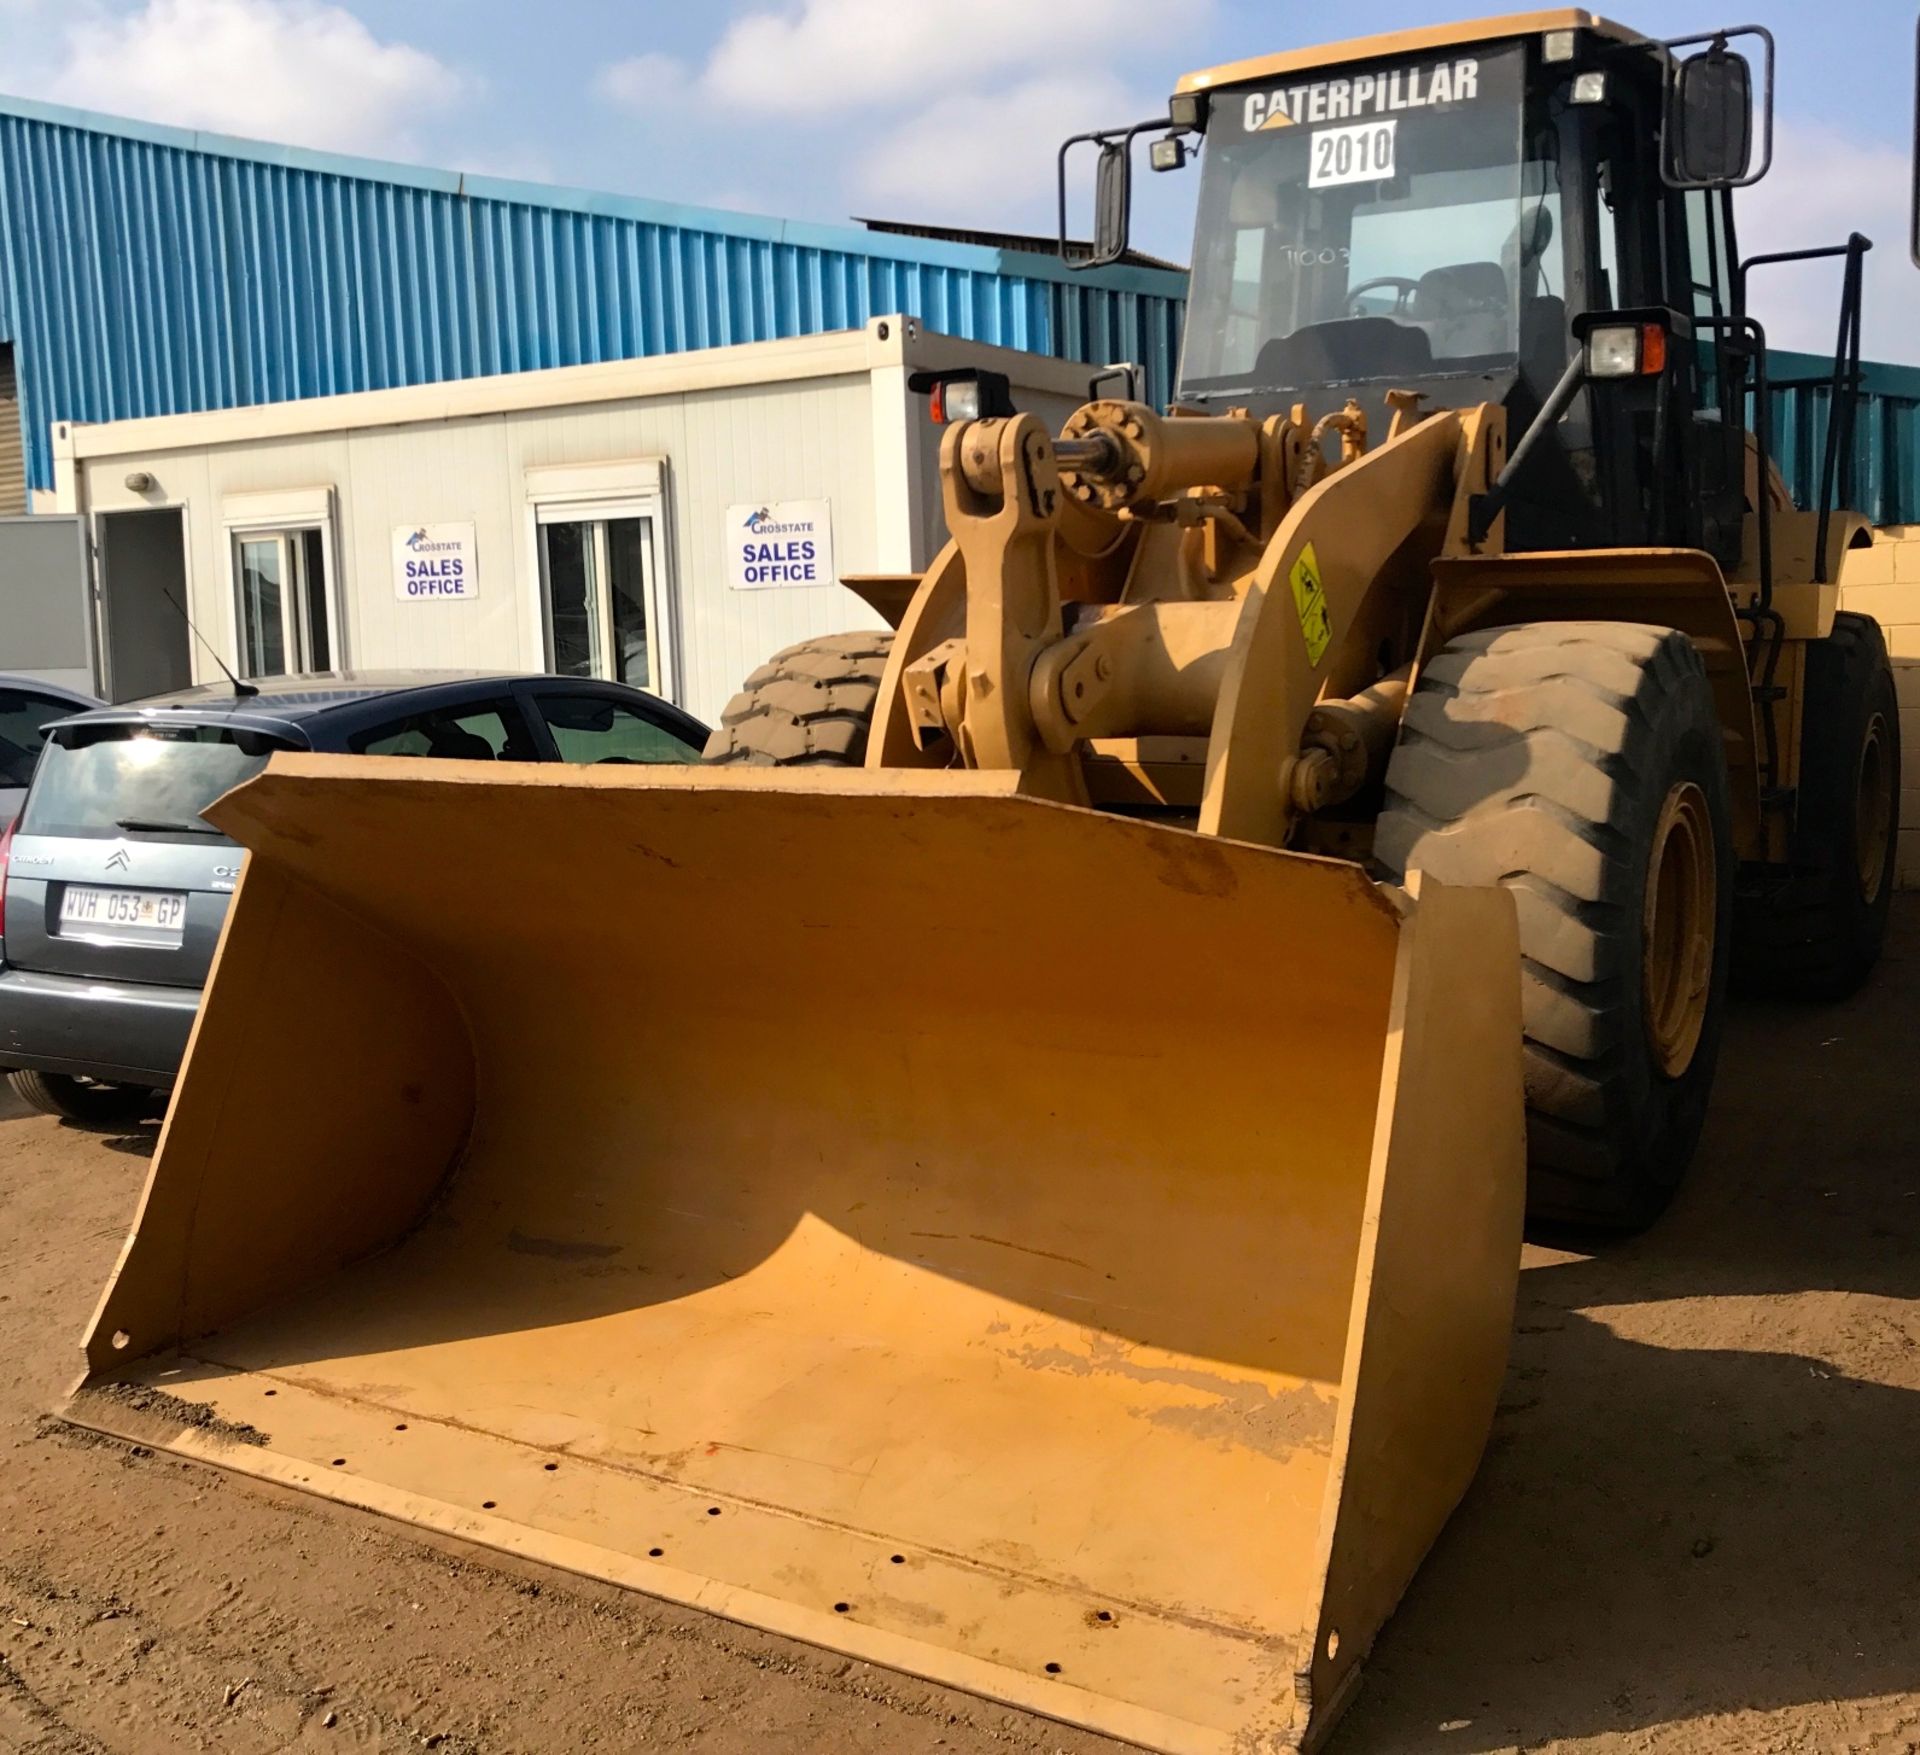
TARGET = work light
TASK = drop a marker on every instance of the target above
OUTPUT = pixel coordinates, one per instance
(1187, 109)
(1626, 350)
(957, 399)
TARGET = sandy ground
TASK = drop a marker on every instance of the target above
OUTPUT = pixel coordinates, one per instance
(1695, 1530)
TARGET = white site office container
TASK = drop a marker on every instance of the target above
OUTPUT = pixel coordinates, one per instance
(209, 509)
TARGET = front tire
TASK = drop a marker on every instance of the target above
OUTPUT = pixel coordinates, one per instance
(1817, 932)
(811, 705)
(1579, 764)
(85, 1102)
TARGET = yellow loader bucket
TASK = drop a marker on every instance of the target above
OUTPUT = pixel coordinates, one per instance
(1055, 1255)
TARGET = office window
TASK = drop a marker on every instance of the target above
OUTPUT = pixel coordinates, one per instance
(603, 554)
(283, 608)
(601, 599)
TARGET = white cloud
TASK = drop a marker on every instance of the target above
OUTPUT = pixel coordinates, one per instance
(989, 160)
(292, 70)
(644, 82)
(831, 54)
(969, 113)
(1822, 186)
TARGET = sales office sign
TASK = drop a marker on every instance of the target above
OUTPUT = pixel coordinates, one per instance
(780, 543)
(435, 563)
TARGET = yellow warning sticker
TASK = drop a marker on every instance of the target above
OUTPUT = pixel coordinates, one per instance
(1311, 601)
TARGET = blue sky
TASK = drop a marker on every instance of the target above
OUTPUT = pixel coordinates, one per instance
(918, 109)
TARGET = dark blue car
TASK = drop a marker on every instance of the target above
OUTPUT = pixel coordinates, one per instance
(113, 887)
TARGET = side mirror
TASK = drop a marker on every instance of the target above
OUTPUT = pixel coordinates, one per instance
(1712, 137)
(1707, 131)
(1112, 201)
(1112, 194)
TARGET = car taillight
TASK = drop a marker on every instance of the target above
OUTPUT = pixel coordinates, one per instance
(6, 849)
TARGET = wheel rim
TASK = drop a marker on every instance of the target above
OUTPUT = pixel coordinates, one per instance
(1679, 928)
(1873, 809)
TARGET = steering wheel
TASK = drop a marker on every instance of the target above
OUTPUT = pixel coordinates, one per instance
(1403, 287)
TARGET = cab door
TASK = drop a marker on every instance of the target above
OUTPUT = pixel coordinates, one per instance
(1714, 376)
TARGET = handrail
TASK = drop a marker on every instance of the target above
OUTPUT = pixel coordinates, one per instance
(1769, 626)
(1836, 464)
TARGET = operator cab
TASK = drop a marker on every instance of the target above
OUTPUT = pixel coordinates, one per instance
(1446, 212)
(1438, 221)
(1377, 224)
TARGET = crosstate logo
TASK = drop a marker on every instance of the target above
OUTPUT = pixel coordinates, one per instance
(763, 523)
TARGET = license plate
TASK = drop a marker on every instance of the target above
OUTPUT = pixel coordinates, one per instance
(137, 913)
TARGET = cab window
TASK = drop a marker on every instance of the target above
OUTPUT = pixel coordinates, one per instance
(1705, 254)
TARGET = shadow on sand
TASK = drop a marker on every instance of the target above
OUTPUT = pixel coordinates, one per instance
(1715, 1515)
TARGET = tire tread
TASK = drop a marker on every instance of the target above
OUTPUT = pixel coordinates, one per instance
(1519, 763)
(808, 706)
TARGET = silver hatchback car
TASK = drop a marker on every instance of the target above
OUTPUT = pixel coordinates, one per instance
(113, 887)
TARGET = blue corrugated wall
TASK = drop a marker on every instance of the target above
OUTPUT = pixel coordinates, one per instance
(145, 270)
(1886, 448)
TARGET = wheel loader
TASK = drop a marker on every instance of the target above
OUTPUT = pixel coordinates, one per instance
(1015, 1169)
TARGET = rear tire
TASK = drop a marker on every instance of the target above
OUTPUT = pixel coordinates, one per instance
(86, 1102)
(1579, 764)
(1817, 933)
(809, 706)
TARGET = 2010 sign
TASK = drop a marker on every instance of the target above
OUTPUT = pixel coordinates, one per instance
(780, 543)
(1360, 153)
(435, 563)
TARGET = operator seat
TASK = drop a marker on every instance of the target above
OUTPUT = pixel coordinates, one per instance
(1545, 341)
(1464, 308)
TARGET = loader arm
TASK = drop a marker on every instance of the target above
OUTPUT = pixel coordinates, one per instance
(1228, 596)
(1374, 526)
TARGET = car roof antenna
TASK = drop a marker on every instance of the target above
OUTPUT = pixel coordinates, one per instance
(241, 689)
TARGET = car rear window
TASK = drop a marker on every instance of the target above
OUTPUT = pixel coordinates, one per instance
(112, 780)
